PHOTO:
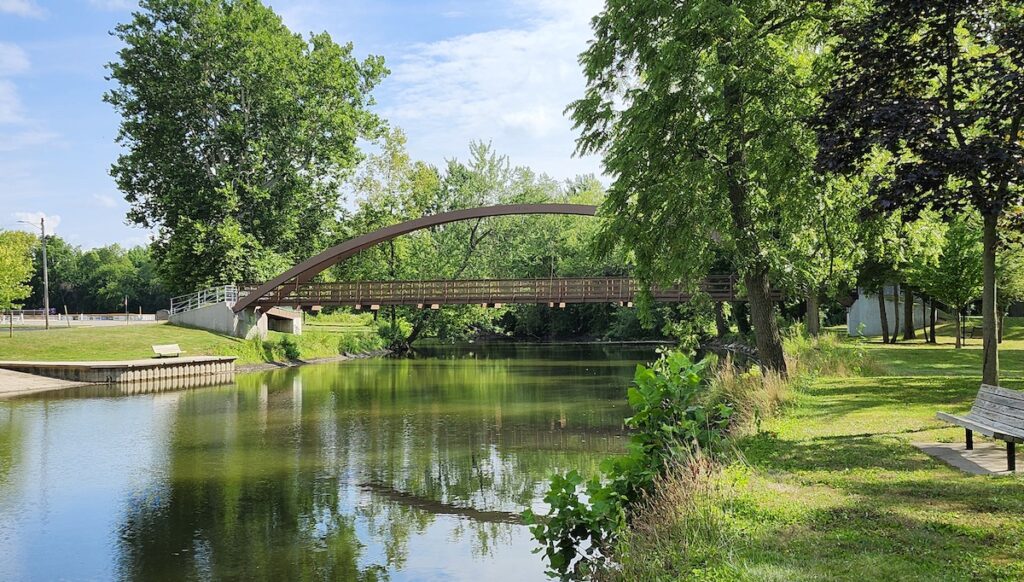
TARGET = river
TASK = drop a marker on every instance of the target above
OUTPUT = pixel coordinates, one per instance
(383, 469)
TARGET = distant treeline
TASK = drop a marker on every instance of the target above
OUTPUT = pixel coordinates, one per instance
(96, 280)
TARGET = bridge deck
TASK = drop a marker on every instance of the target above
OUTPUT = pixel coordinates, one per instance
(481, 291)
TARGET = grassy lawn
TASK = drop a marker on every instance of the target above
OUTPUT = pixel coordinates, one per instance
(832, 489)
(135, 342)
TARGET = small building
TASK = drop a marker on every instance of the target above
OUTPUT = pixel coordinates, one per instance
(862, 318)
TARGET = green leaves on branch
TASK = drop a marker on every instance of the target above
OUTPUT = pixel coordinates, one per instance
(670, 425)
(237, 135)
(15, 267)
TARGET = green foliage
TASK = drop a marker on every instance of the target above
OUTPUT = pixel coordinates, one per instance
(670, 425)
(15, 267)
(953, 271)
(394, 333)
(237, 134)
(98, 280)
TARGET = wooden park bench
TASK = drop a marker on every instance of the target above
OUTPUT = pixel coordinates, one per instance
(997, 413)
(168, 350)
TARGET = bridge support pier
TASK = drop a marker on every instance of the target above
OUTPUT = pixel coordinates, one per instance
(246, 324)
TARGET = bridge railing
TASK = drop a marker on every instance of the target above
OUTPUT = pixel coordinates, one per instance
(204, 297)
(486, 291)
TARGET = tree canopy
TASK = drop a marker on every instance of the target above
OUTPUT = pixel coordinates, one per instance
(15, 267)
(935, 89)
(699, 110)
(237, 134)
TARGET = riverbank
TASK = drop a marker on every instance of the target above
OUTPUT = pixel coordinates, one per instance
(322, 339)
(265, 366)
(14, 384)
(833, 487)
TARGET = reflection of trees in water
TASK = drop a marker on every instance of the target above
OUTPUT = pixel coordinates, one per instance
(12, 433)
(273, 478)
(234, 507)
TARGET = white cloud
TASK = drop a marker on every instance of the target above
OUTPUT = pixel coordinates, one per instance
(10, 105)
(113, 4)
(29, 138)
(12, 59)
(509, 86)
(32, 218)
(22, 8)
(105, 200)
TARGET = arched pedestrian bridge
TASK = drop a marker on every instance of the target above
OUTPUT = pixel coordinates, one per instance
(296, 288)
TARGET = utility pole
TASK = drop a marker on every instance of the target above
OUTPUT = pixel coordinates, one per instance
(46, 272)
(46, 275)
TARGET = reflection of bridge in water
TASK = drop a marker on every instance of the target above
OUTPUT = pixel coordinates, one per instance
(556, 292)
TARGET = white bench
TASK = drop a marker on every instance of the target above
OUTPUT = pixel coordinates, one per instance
(997, 413)
(167, 350)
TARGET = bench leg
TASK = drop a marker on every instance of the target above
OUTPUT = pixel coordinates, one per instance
(1011, 457)
(970, 439)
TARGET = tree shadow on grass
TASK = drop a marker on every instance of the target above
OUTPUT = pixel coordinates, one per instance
(770, 453)
(869, 542)
(852, 465)
(890, 394)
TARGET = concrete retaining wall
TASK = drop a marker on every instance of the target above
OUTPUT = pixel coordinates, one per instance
(130, 371)
(220, 318)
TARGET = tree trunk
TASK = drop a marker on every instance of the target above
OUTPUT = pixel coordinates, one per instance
(924, 319)
(883, 317)
(1002, 322)
(990, 369)
(933, 313)
(721, 324)
(813, 314)
(748, 248)
(762, 315)
(742, 314)
(909, 331)
(959, 328)
(895, 314)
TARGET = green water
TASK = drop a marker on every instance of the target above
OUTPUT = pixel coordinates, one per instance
(393, 469)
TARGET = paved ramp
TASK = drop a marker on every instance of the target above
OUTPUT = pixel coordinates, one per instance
(19, 384)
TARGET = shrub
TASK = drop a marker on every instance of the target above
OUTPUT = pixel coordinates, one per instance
(670, 425)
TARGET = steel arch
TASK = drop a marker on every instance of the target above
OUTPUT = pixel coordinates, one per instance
(311, 267)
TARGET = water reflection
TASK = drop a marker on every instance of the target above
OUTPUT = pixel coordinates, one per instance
(366, 470)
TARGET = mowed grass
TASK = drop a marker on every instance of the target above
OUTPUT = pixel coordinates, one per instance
(127, 342)
(132, 342)
(833, 489)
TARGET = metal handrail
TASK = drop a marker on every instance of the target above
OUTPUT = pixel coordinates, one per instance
(204, 297)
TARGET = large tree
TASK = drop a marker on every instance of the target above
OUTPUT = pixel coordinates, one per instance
(938, 88)
(237, 133)
(15, 267)
(699, 110)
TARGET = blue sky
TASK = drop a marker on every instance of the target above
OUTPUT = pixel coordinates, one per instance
(501, 71)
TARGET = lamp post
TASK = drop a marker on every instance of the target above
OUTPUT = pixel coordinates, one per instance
(46, 274)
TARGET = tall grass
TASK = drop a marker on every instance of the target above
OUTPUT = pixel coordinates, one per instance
(312, 344)
(756, 395)
(681, 529)
(684, 526)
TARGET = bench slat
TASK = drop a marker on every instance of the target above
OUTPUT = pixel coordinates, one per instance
(997, 421)
(997, 425)
(1004, 392)
(984, 408)
(984, 429)
(1001, 401)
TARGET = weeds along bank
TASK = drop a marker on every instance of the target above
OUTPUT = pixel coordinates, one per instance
(323, 336)
(667, 487)
(819, 480)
